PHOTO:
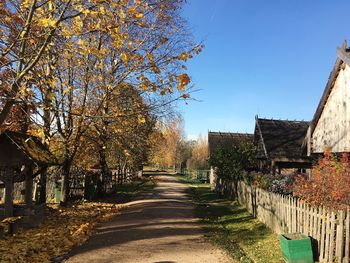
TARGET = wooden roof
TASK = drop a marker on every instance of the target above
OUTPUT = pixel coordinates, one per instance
(227, 139)
(20, 149)
(279, 138)
(343, 58)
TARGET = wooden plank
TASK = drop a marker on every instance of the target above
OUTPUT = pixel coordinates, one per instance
(307, 219)
(340, 237)
(311, 221)
(322, 237)
(289, 216)
(8, 202)
(292, 214)
(319, 227)
(301, 222)
(341, 53)
(328, 230)
(314, 225)
(331, 238)
(298, 215)
(347, 238)
(295, 215)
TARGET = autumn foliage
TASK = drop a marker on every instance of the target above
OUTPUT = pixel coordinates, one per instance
(329, 183)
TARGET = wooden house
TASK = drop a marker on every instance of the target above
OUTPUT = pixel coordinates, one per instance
(330, 126)
(279, 144)
(225, 140)
(19, 155)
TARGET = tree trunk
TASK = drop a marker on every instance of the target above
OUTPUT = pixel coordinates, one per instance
(105, 171)
(42, 182)
(65, 182)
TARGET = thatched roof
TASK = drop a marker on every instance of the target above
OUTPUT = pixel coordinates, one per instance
(279, 138)
(18, 149)
(227, 139)
(343, 58)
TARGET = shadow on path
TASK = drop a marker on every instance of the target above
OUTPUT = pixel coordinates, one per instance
(157, 227)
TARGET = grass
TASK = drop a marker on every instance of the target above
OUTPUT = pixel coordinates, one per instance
(231, 227)
(187, 179)
(127, 191)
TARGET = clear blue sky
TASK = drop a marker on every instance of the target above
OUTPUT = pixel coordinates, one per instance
(265, 57)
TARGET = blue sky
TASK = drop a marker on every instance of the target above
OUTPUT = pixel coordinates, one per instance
(265, 57)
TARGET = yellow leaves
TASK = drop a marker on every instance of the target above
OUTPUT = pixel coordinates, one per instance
(183, 80)
(63, 229)
(124, 57)
(39, 132)
(81, 42)
(47, 22)
(141, 119)
(150, 56)
(143, 86)
(121, 14)
(139, 15)
(68, 89)
(82, 229)
(25, 4)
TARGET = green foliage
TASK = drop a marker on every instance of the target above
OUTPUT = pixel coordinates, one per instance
(231, 227)
(232, 161)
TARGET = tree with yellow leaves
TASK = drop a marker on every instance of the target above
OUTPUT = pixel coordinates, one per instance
(70, 59)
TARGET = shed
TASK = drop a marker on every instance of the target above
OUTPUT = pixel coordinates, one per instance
(19, 154)
(224, 140)
(279, 144)
(227, 139)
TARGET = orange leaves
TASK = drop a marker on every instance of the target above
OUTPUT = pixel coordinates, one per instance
(329, 184)
(185, 56)
(183, 80)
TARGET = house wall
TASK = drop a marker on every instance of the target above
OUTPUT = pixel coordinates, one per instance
(333, 127)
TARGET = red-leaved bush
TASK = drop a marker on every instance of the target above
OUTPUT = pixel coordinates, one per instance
(329, 185)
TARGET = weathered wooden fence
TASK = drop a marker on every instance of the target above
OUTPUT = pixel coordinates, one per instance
(329, 229)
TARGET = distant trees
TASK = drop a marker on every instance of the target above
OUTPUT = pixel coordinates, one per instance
(170, 147)
(199, 155)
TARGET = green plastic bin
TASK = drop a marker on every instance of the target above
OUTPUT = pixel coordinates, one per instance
(296, 248)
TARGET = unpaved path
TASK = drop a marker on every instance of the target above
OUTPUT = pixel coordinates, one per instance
(158, 228)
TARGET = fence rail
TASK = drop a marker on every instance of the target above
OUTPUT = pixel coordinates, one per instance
(329, 229)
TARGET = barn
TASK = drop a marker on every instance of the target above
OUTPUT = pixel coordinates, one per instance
(330, 125)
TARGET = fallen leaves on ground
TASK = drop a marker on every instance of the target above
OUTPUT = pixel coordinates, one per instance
(63, 229)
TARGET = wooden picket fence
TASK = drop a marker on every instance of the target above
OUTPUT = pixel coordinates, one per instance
(329, 229)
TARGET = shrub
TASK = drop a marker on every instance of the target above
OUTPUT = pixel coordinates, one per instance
(329, 184)
(280, 184)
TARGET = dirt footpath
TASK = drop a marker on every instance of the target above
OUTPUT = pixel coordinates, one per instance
(158, 228)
